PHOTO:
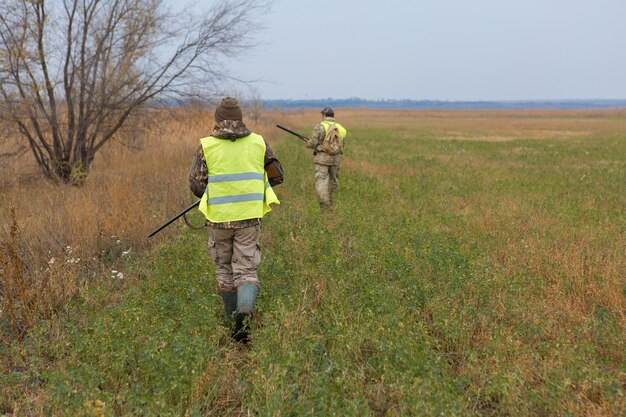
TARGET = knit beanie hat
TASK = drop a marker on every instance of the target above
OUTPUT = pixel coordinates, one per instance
(228, 110)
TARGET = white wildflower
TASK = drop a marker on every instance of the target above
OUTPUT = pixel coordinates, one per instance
(118, 242)
(51, 261)
(126, 252)
(120, 275)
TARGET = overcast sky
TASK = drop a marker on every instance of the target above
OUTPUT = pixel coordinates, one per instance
(441, 49)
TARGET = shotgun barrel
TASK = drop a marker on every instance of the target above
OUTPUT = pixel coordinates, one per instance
(170, 221)
(304, 138)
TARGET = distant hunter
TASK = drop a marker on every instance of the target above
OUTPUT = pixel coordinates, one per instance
(327, 142)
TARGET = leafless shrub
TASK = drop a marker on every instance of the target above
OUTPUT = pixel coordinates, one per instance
(73, 72)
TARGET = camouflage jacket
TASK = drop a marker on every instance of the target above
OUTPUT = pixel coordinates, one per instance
(198, 173)
(317, 137)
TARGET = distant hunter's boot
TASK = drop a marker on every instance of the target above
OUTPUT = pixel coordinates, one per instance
(230, 305)
(246, 297)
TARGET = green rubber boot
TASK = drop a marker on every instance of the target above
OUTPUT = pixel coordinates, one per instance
(230, 305)
(246, 297)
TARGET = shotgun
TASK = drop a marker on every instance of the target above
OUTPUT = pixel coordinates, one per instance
(304, 138)
(170, 221)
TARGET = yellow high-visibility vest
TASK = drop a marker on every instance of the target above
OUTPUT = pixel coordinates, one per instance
(237, 188)
(342, 130)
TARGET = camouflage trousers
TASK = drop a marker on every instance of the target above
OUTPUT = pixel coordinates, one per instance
(326, 182)
(237, 256)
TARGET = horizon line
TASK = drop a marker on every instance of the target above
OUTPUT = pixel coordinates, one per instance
(537, 100)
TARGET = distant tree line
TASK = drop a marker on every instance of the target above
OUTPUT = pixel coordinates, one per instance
(445, 105)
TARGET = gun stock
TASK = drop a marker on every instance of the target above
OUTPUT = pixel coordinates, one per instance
(170, 221)
(304, 138)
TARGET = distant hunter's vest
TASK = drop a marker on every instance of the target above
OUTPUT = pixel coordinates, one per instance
(342, 130)
(237, 187)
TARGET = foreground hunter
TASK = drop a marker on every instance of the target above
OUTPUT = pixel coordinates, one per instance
(228, 172)
(327, 142)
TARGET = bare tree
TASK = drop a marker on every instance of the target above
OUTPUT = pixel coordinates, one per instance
(254, 105)
(72, 72)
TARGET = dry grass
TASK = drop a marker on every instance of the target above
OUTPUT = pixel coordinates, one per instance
(61, 238)
(141, 179)
(584, 268)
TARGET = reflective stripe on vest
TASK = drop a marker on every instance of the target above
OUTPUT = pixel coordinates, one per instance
(236, 177)
(237, 198)
(237, 186)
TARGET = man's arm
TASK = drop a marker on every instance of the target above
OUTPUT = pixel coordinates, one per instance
(272, 165)
(198, 173)
(269, 153)
(317, 137)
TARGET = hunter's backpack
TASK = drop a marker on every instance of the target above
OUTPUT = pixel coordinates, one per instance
(333, 142)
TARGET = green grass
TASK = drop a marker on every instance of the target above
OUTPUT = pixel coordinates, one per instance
(437, 286)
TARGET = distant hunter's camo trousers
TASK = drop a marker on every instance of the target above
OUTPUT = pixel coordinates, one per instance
(326, 182)
(237, 256)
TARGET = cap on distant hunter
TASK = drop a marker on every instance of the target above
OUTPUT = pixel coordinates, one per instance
(328, 112)
(228, 109)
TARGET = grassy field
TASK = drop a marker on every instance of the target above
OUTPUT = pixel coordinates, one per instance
(474, 264)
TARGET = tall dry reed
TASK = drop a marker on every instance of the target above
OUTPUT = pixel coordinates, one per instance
(58, 237)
